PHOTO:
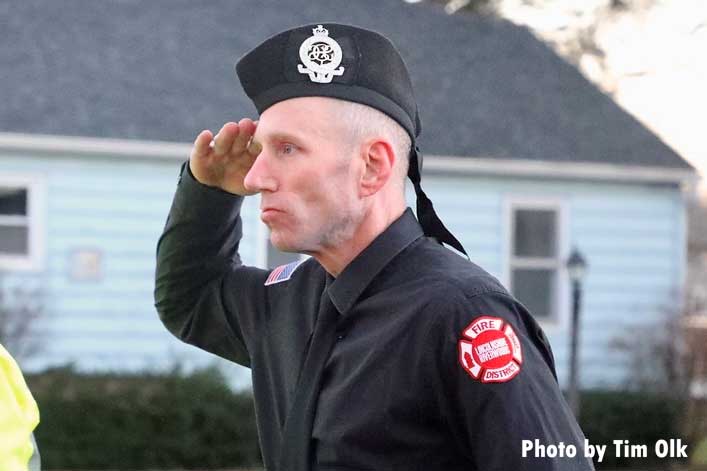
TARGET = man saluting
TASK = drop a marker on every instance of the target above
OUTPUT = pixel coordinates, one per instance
(384, 350)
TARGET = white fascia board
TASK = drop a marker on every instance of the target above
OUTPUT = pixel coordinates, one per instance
(95, 146)
(556, 169)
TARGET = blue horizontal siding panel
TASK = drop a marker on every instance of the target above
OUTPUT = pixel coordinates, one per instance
(631, 234)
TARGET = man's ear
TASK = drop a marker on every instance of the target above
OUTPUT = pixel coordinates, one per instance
(379, 160)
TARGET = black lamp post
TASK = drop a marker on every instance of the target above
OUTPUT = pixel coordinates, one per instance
(577, 268)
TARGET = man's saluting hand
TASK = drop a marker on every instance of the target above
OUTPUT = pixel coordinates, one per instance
(223, 161)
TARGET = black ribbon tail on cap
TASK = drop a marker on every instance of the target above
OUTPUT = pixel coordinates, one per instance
(430, 222)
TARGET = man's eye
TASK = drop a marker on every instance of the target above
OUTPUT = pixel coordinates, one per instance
(288, 149)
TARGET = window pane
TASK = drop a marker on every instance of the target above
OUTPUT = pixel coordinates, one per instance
(13, 201)
(13, 240)
(535, 233)
(535, 289)
(277, 258)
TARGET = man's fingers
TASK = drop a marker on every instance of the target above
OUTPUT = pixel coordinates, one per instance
(246, 128)
(224, 139)
(201, 144)
(254, 148)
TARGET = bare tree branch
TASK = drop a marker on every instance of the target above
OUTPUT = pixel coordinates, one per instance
(20, 315)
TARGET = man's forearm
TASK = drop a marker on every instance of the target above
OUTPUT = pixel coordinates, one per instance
(196, 250)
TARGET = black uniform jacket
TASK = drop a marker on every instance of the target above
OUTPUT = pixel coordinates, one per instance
(406, 387)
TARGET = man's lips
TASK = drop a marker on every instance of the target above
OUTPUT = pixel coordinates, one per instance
(270, 208)
(267, 213)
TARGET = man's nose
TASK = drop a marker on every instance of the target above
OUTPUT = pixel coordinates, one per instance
(259, 177)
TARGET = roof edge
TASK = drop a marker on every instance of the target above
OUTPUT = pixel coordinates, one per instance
(98, 146)
(558, 169)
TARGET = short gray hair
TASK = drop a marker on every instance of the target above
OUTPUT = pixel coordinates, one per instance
(364, 121)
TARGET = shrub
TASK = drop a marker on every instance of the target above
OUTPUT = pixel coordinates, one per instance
(145, 420)
(175, 420)
(641, 418)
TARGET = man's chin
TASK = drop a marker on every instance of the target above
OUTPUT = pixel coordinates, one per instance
(283, 245)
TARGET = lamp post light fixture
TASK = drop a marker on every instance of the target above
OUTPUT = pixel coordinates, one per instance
(577, 268)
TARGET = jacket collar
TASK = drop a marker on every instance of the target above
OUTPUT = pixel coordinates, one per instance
(345, 290)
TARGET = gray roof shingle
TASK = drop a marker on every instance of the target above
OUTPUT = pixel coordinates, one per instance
(163, 69)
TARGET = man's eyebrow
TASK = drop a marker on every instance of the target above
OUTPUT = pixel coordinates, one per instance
(282, 136)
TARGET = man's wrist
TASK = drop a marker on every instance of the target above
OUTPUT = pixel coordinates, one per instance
(194, 197)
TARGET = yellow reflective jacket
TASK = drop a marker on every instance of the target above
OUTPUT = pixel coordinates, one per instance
(19, 416)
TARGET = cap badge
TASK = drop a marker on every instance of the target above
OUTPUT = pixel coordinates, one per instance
(321, 56)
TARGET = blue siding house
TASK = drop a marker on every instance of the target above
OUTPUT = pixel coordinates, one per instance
(524, 160)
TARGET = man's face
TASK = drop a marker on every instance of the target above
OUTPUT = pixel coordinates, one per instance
(306, 175)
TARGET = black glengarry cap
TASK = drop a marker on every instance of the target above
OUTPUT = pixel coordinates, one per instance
(332, 60)
(349, 63)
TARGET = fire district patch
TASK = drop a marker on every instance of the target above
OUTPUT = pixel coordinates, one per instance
(489, 350)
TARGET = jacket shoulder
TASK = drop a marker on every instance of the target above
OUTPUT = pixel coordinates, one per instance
(450, 272)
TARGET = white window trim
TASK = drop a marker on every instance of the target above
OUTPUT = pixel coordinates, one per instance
(562, 287)
(36, 220)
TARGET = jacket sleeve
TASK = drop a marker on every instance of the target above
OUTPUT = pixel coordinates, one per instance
(498, 390)
(203, 293)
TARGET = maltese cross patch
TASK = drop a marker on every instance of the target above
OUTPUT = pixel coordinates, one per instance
(489, 350)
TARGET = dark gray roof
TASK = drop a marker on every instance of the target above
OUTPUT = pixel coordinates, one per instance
(163, 69)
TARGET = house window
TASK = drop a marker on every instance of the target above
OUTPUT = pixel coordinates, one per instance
(19, 221)
(14, 221)
(275, 257)
(535, 259)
